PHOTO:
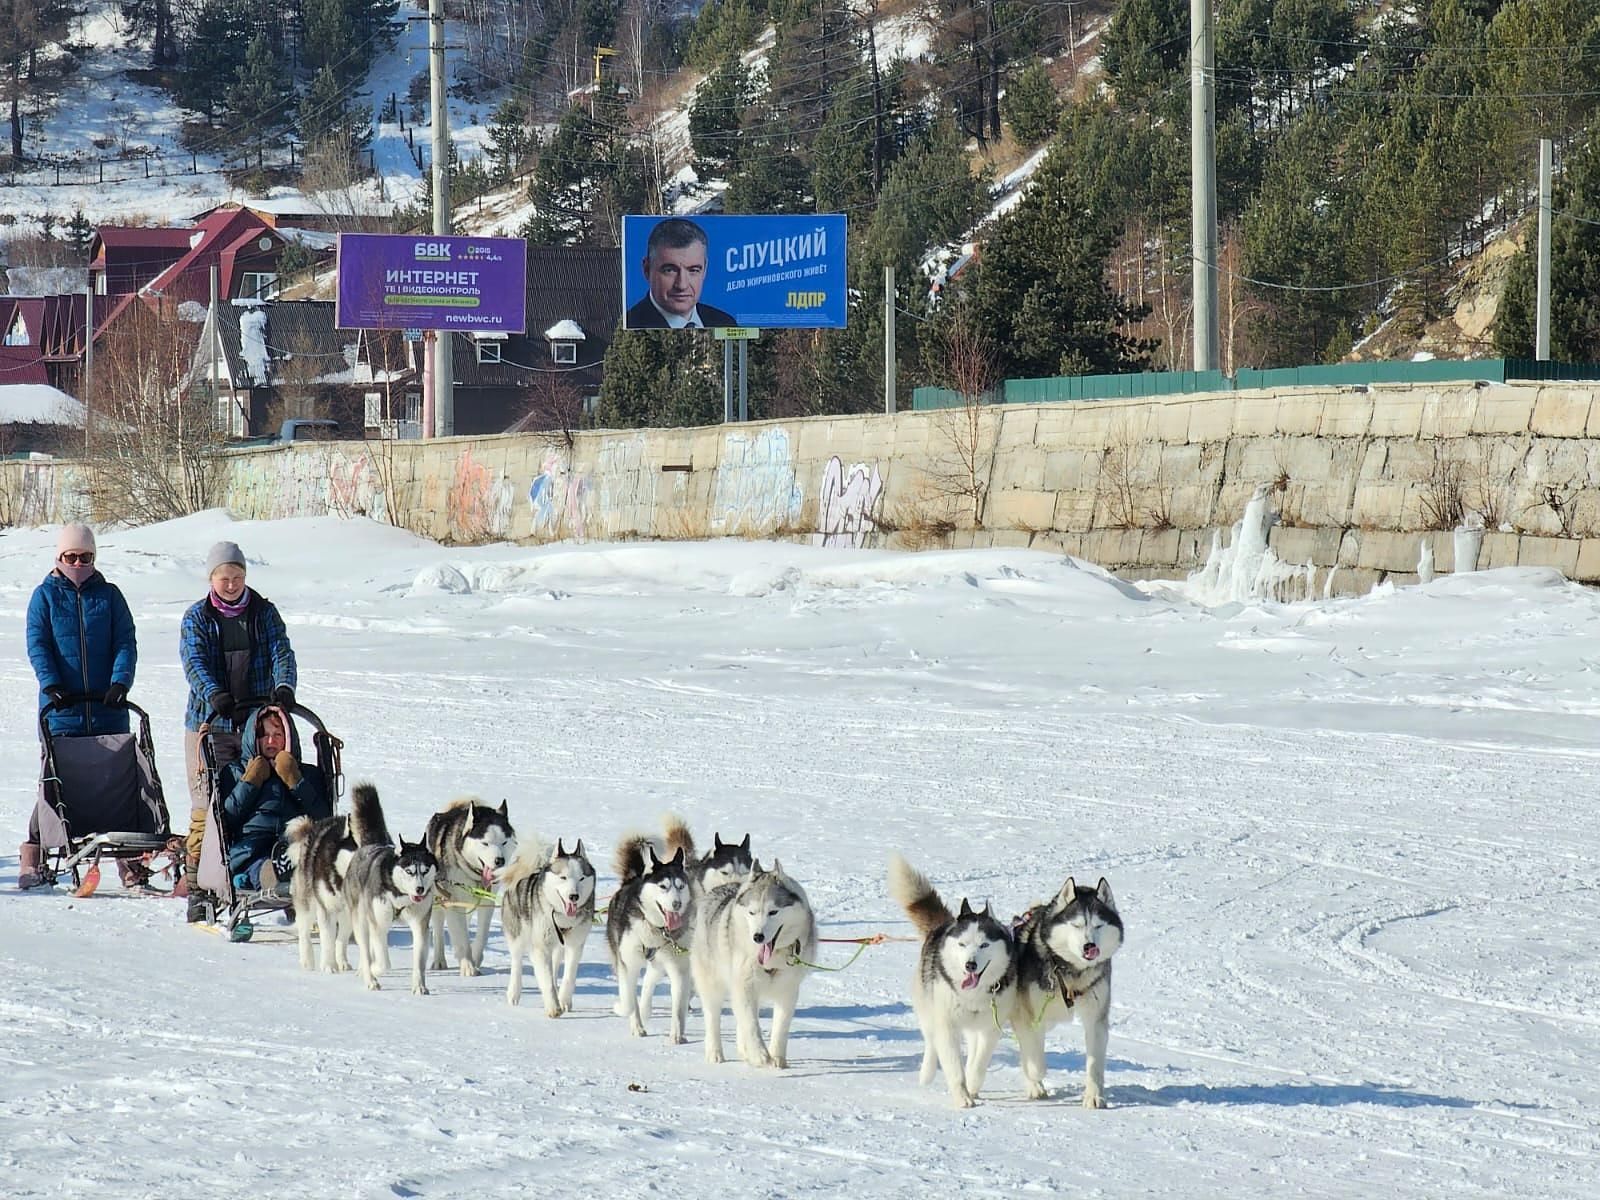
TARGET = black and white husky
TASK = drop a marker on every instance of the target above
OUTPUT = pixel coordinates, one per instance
(724, 863)
(1064, 950)
(384, 882)
(472, 843)
(320, 852)
(965, 984)
(648, 929)
(752, 941)
(546, 911)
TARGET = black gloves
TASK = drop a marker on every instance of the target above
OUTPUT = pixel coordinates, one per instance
(115, 695)
(284, 695)
(222, 703)
(56, 692)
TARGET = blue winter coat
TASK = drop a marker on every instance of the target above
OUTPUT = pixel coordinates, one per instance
(81, 639)
(255, 817)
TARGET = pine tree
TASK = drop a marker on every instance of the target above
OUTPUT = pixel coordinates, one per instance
(510, 139)
(1031, 106)
(715, 115)
(219, 41)
(658, 377)
(80, 232)
(255, 99)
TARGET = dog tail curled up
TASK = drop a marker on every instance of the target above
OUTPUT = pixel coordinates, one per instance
(629, 859)
(533, 856)
(366, 816)
(678, 836)
(912, 892)
(297, 833)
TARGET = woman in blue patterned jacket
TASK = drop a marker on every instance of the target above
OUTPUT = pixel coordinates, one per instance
(234, 647)
(81, 643)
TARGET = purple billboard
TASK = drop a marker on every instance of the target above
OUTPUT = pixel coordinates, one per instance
(422, 281)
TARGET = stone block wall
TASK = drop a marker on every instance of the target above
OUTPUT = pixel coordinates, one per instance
(1359, 477)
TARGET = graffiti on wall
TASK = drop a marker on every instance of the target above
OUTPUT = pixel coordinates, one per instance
(844, 516)
(480, 501)
(756, 490)
(626, 487)
(557, 497)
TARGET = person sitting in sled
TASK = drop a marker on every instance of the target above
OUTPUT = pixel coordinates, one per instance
(261, 793)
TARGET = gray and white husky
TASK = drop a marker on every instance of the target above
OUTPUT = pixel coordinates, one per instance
(752, 941)
(320, 852)
(384, 882)
(965, 983)
(472, 843)
(546, 911)
(648, 929)
(1064, 950)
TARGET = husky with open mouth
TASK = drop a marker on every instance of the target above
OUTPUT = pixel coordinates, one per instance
(472, 844)
(648, 929)
(546, 911)
(965, 983)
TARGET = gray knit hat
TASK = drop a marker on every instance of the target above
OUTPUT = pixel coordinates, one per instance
(222, 554)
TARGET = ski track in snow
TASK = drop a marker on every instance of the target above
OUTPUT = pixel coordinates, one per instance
(1360, 915)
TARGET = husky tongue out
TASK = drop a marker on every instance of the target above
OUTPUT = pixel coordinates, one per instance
(572, 909)
(487, 875)
(969, 981)
(764, 955)
(673, 919)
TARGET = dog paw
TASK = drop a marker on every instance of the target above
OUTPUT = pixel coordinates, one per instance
(469, 969)
(963, 1099)
(420, 990)
(1037, 1091)
(636, 1027)
(373, 985)
(552, 1010)
(780, 1062)
(758, 1060)
(676, 1039)
(1093, 1099)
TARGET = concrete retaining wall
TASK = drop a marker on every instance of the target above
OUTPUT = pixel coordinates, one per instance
(1359, 478)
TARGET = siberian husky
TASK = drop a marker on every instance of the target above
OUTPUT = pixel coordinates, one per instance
(472, 843)
(648, 928)
(384, 882)
(752, 941)
(965, 983)
(545, 911)
(320, 852)
(1064, 950)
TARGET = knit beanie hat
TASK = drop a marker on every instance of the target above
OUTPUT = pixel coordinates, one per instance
(222, 554)
(75, 536)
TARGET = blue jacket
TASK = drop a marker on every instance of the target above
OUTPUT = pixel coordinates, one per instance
(81, 640)
(255, 817)
(200, 650)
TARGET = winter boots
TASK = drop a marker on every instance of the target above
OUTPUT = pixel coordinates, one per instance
(28, 872)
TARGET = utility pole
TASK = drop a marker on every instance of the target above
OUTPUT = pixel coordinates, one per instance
(211, 350)
(1541, 336)
(888, 341)
(444, 396)
(88, 364)
(1203, 183)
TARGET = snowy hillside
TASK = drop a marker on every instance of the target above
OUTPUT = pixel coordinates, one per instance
(114, 143)
(1352, 841)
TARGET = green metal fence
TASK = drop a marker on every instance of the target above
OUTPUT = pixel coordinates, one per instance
(1173, 383)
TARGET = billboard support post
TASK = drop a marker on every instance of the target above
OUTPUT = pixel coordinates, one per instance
(429, 396)
(444, 367)
(744, 379)
(727, 382)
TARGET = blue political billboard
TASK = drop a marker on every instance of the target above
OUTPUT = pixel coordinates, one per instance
(428, 281)
(759, 272)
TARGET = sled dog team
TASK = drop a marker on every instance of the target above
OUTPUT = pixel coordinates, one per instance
(718, 924)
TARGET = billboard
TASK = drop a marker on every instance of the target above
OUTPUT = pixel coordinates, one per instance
(423, 281)
(758, 272)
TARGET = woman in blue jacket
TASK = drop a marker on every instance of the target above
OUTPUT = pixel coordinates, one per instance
(80, 642)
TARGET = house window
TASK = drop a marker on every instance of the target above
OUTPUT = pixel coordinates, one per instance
(374, 407)
(100, 284)
(414, 407)
(564, 352)
(488, 352)
(258, 285)
(17, 335)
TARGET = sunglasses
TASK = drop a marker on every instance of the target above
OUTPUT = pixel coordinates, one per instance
(72, 558)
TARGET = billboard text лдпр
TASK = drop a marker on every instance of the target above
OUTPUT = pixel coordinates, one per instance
(417, 281)
(763, 272)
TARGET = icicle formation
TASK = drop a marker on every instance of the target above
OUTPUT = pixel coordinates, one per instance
(1247, 569)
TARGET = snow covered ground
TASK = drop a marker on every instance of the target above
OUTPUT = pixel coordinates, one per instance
(1353, 842)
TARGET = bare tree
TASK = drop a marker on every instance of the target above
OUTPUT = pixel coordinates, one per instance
(962, 472)
(154, 440)
(555, 408)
